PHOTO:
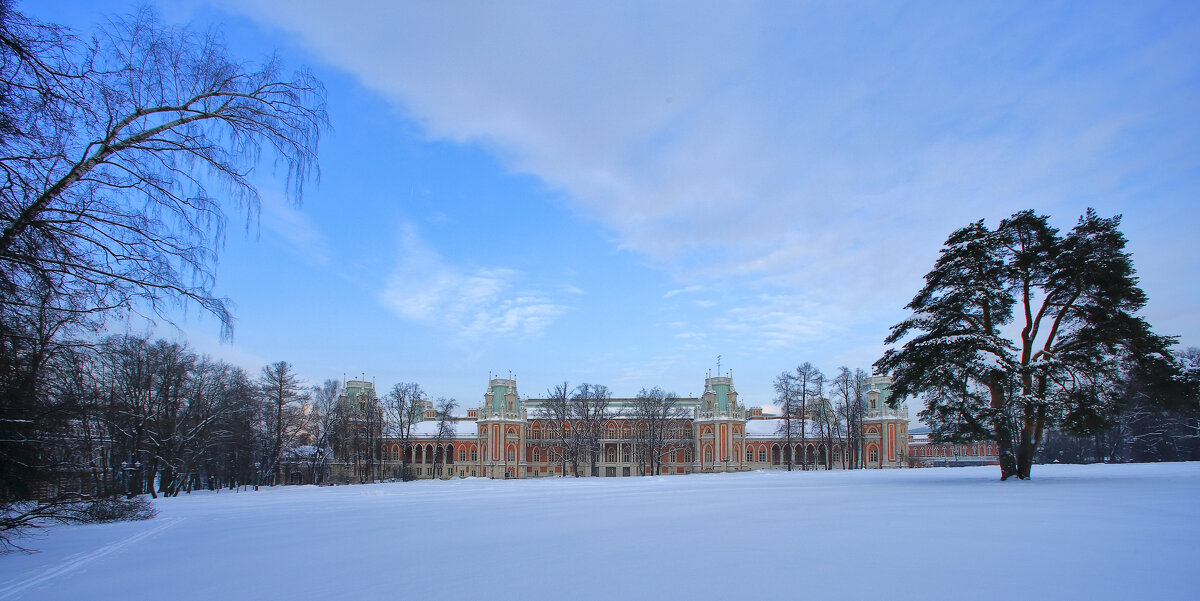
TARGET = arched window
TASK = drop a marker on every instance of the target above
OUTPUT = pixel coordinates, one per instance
(873, 455)
(708, 455)
(512, 454)
(610, 455)
(625, 454)
(474, 454)
(537, 454)
(749, 454)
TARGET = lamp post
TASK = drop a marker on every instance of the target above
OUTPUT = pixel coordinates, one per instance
(256, 466)
(125, 477)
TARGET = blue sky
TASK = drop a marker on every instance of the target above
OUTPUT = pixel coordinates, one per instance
(618, 193)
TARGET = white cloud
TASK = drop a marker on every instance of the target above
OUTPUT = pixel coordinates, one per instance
(471, 301)
(826, 149)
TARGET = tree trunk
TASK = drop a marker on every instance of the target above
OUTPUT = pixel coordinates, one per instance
(1004, 438)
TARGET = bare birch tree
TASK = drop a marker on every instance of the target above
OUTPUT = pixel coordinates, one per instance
(445, 409)
(320, 424)
(555, 412)
(588, 409)
(404, 407)
(657, 416)
(104, 181)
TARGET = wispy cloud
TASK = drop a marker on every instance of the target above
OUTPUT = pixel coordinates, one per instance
(775, 321)
(470, 301)
(692, 288)
(295, 227)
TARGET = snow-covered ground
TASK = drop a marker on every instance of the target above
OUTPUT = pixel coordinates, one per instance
(1074, 532)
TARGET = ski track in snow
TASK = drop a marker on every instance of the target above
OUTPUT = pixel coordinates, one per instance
(74, 562)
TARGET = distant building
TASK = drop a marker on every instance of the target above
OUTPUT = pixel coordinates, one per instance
(924, 453)
(511, 437)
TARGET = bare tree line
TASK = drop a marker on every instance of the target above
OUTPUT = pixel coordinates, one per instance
(809, 409)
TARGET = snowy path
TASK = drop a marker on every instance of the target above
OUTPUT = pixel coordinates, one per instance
(74, 562)
(1095, 532)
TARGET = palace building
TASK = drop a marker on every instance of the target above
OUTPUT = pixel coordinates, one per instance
(508, 436)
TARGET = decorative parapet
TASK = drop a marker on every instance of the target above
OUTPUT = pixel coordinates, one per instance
(733, 413)
(486, 412)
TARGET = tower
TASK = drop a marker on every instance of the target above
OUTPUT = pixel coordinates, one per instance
(884, 429)
(501, 422)
(720, 427)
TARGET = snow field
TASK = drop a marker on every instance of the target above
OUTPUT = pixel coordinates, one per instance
(1073, 532)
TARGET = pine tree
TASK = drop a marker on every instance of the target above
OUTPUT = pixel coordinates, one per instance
(1074, 300)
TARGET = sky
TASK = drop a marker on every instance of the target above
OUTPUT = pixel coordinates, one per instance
(622, 192)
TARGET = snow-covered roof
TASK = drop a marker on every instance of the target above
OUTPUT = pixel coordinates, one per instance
(429, 429)
(769, 428)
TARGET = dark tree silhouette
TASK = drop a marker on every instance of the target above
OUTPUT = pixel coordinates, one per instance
(1020, 328)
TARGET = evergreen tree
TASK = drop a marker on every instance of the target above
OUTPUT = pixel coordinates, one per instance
(1020, 328)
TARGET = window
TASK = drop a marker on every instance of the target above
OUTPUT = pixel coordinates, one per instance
(474, 457)
(537, 454)
(625, 455)
(873, 455)
(708, 456)
(762, 454)
(462, 454)
(512, 454)
(749, 454)
(610, 455)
